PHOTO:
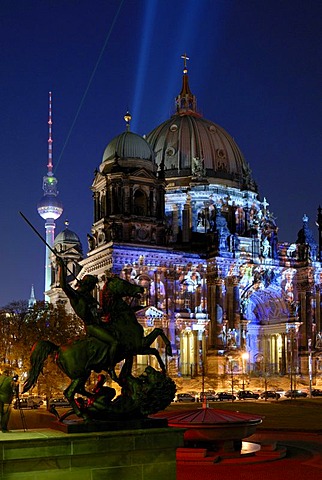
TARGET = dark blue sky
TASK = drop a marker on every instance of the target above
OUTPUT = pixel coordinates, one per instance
(255, 67)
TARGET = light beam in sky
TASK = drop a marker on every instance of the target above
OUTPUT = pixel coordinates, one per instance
(142, 73)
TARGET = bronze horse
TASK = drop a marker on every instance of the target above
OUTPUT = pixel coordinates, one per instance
(80, 357)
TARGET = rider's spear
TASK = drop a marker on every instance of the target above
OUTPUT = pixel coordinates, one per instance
(51, 249)
(44, 241)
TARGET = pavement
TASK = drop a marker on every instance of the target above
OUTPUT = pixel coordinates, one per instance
(303, 460)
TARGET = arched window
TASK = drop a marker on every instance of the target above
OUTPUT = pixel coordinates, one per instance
(140, 204)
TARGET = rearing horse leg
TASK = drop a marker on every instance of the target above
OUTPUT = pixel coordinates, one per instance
(154, 351)
(126, 370)
(76, 386)
(157, 332)
(147, 341)
(112, 374)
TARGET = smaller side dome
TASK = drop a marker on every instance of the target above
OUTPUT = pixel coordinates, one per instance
(68, 238)
(128, 145)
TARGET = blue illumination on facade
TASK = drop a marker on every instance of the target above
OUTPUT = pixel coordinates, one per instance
(188, 224)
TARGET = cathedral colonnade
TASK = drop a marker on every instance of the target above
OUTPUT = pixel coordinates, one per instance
(189, 291)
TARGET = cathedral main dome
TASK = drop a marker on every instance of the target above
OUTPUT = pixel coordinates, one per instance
(188, 146)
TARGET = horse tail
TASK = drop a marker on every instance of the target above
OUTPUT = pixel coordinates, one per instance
(39, 354)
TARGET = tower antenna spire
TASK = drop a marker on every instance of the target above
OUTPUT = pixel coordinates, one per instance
(50, 140)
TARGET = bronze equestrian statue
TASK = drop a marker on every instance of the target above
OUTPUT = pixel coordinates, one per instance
(106, 343)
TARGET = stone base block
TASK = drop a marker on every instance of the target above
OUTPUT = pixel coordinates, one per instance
(79, 426)
(141, 454)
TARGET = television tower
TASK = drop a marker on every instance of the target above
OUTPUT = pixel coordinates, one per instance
(49, 207)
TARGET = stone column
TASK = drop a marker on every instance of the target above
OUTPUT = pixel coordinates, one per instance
(111, 209)
(103, 203)
(115, 207)
(186, 223)
(210, 309)
(175, 220)
(108, 201)
(274, 353)
(243, 333)
(96, 207)
(236, 299)
(267, 354)
(283, 359)
(219, 313)
(303, 334)
(212, 298)
(318, 311)
(170, 305)
(189, 352)
(308, 315)
(151, 203)
(127, 199)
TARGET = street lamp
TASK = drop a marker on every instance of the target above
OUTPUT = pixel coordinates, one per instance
(230, 359)
(292, 330)
(245, 357)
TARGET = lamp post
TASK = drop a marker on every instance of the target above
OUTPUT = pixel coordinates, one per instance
(292, 330)
(232, 379)
(245, 356)
(310, 365)
(230, 369)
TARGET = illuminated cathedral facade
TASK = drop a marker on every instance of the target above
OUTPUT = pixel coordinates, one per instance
(179, 213)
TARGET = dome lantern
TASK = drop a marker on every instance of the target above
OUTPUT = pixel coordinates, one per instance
(128, 118)
(186, 102)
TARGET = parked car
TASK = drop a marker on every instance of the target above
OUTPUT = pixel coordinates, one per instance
(244, 394)
(209, 396)
(36, 399)
(281, 392)
(221, 396)
(194, 394)
(270, 394)
(59, 402)
(316, 393)
(295, 393)
(25, 403)
(185, 397)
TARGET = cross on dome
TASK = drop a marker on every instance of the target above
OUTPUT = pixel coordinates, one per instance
(185, 58)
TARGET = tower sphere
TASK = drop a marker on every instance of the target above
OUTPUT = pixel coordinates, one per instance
(49, 207)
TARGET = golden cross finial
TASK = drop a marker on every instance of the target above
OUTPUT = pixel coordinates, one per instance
(185, 58)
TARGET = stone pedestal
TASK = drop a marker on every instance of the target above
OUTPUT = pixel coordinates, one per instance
(141, 454)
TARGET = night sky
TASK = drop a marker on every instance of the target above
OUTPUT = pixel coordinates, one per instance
(255, 67)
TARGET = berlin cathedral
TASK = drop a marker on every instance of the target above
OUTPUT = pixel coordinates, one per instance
(178, 212)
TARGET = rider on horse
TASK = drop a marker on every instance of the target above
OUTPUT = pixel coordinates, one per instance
(86, 307)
